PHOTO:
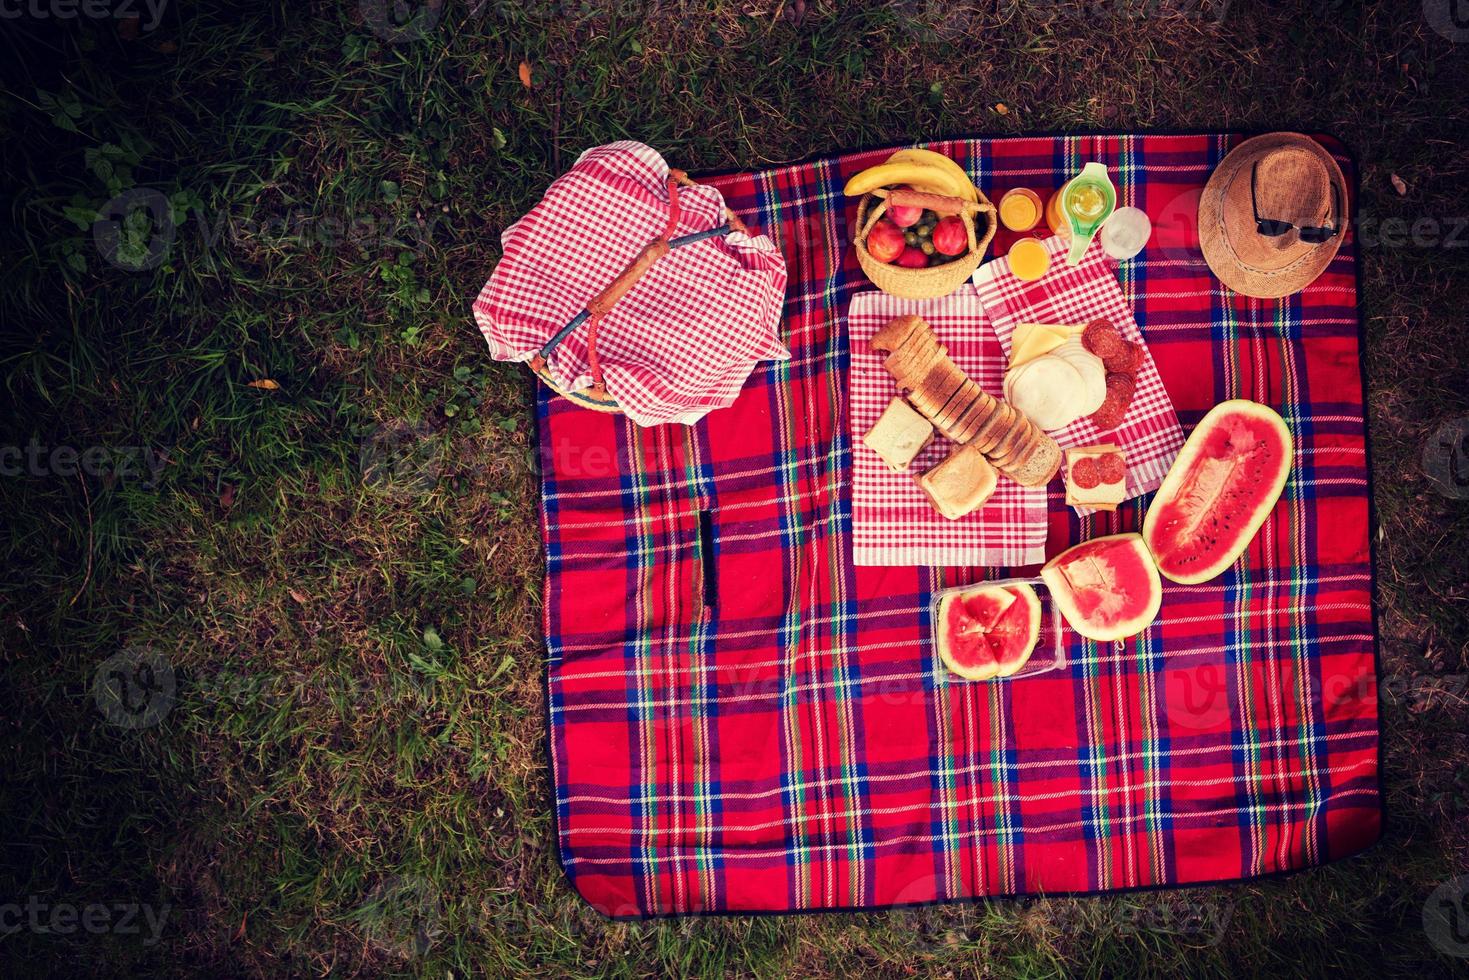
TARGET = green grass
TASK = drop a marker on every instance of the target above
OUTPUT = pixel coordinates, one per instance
(352, 780)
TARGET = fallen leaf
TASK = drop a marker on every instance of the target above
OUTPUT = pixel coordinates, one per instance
(1399, 185)
(265, 384)
(298, 596)
(227, 496)
(525, 73)
(1002, 108)
(240, 932)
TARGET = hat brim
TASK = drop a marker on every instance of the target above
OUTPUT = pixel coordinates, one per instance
(1214, 240)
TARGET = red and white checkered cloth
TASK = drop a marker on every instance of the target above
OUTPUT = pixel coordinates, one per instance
(1149, 435)
(893, 522)
(688, 334)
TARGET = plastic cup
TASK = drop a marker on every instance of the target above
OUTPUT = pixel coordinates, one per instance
(1029, 259)
(1125, 233)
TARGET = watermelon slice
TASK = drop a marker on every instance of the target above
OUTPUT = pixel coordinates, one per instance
(1219, 491)
(989, 631)
(1107, 588)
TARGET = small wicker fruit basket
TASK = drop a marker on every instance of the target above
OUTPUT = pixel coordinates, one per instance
(936, 280)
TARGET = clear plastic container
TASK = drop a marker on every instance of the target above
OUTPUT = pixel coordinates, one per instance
(1050, 649)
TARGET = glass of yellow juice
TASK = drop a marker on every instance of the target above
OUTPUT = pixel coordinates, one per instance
(1029, 259)
(1020, 209)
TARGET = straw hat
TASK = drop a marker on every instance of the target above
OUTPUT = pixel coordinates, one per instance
(1290, 182)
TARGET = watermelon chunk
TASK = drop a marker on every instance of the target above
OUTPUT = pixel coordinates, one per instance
(1106, 588)
(1219, 491)
(989, 631)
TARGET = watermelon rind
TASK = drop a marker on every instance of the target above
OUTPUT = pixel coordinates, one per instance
(1065, 599)
(1173, 483)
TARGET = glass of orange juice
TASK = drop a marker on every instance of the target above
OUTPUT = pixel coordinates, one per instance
(1055, 220)
(1029, 259)
(1020, 209)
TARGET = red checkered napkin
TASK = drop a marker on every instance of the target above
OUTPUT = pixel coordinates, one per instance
(893, 522)
(685, 338)
(1149, 435)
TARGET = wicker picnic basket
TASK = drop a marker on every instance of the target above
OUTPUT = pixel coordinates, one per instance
(596, 397)
(938, 280)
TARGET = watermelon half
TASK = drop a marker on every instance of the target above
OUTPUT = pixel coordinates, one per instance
(1219, 491)
(1107, 588)
(989, 631)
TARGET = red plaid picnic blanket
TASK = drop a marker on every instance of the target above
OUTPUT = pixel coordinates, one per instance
(893, 522)
(742, 719)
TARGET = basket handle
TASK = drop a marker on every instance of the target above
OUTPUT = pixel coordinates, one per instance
(937, 203)
(602, 304)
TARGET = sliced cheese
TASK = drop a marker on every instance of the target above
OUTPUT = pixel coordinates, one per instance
(1093, 373)
(1032, 340)
(1048, 390)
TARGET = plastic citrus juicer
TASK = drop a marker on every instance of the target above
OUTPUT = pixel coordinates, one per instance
(1087, 201)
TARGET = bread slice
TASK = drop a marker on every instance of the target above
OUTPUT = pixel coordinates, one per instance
(911, 346)
(942, 382)
(910, 365)
(967, 424)
(994, 427)
(935, 358)
(892, 335)
(961, 397)
(926, 407)
(960, 484)
(899, 435)
(1010, 439)
(957, 405)
(1038, 465)
(1013, 443)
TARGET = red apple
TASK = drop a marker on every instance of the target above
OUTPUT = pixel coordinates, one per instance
(913, 258)
(904, 216)
(885, 241)
(949, 236)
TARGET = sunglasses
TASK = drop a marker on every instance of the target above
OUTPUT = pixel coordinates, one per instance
(1274, 227)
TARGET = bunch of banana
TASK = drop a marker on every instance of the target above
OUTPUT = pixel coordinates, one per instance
(923, 170)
